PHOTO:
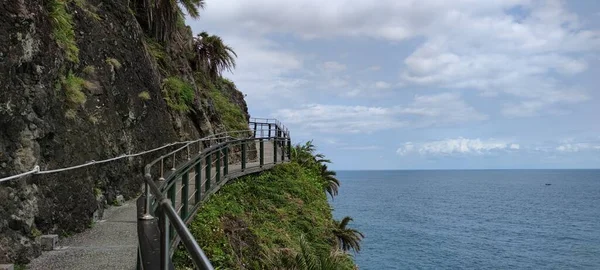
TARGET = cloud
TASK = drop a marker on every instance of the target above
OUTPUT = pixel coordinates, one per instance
(441, 108)
(459, 145)
(427, 110)
(341, 118)
(577, 147)
(361, 148)
(382, 85)
(333, 66)
(467, 44)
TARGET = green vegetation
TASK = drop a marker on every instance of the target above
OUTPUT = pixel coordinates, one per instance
(113, 62)
(93, 119)
(88, 9)
(144, 95)
(35, 233)
(165, 17)
(231, 115)
(212, 56)
(70, 114)
(178, 93)
(72, 86)
(156, 50)
(279, 219)
(89, 70)
(62, 29)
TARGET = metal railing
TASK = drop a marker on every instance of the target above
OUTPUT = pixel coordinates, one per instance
(201, 167)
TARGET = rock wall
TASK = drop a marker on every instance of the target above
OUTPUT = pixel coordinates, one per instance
(38, 126)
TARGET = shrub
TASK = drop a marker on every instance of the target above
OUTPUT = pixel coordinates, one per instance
(178, 93)
(72, 86)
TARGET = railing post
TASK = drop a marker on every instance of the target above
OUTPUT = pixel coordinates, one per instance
(226, 160)
(243, 155)
(255, 129)
(164, 240)
(269, 130)
(262, 153)
(218, 166)
(207, 174)
(283, 150)
(275, 151)
(198, 179)
(185, 182)
(147, 205)
(172, 193)
(289, 145)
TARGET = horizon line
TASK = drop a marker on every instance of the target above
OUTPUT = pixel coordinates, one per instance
(483, 169)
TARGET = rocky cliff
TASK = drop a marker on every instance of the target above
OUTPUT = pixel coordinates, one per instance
(82, 80)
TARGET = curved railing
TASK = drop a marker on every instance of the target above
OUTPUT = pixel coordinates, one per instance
(178, 182)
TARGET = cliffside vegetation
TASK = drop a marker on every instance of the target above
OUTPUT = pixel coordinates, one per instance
(279, 219)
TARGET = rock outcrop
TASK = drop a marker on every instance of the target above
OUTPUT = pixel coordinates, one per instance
(45, 122)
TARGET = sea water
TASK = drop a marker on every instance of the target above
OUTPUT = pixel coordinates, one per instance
(478, 219)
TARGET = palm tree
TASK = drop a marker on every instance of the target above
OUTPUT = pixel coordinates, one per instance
(159, 17)
(212, 55)
(347, 238)
(332, 184)
(303, 154)
(303, 259)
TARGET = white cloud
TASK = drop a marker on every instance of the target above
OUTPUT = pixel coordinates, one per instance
(577, 147)
(441, 108)
(333, 66)
(340, 118)
(431, 110)
(457, 146)
(382, 85)
(468, 44)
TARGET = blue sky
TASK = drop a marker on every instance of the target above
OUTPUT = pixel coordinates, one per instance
(428, 84)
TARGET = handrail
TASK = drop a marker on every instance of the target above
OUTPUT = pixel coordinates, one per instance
(161, 199)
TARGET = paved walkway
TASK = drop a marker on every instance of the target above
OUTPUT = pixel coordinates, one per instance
(110, 244)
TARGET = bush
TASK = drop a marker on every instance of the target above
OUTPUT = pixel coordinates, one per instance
(72, 86)
(178, 93)
(259, 217)
(231, 115)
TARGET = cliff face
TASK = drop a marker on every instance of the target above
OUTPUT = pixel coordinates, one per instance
(105, 94)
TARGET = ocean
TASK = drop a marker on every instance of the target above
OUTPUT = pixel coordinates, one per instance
(475, 219)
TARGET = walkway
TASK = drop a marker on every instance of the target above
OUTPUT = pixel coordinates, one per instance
(110, 244)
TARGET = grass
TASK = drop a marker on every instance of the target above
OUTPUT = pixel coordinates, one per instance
(72, 86)
(89, 70)
(70, 114)
(249, 220)
(231, 115)
(63, 29)
(88, 9)
(179, 94)
(144, 95)
(113, 62)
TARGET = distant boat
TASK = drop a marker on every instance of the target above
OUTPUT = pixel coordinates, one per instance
(547, 184)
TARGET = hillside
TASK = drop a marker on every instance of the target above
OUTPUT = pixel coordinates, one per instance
(84, 80)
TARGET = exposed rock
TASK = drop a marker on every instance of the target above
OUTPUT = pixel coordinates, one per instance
(113, 121)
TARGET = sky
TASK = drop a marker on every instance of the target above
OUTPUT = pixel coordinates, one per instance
(424, 84)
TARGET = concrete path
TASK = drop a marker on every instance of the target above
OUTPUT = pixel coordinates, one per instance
(110, 244)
